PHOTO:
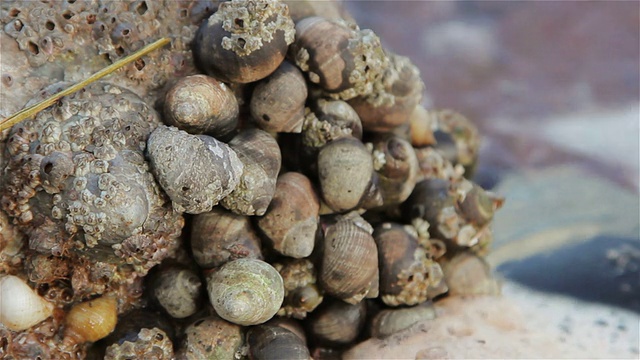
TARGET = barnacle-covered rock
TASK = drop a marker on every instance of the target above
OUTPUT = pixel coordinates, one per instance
(76, 182)
(67, 40)
(196, 171)
(147, 344)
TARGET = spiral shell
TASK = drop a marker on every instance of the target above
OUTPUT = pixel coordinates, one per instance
(390, 321)
(337, 323)
(291, 221)
(219, 236)
(211, 338)
(398, 172)
(349, 265)
(196, 171)
(178, 291)
(275, 342)
(20, 306)
(246, 291)
(259, 153)
(91, 320)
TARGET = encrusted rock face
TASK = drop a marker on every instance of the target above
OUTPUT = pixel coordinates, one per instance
(67, 40)
(76, 181)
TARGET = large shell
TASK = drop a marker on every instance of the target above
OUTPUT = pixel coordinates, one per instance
(337, 323)
(196, 171)
(244, 41)
(219, 236)
(395, 95)
(408, 275)
(342, 59)
(260, 154)
(91, 320)
(277, 102)
(345, 170)
(211, 338)
(349, 263)
(275, 342)
(201, 104)
(20, 306)
(246, 291)
(291, 221)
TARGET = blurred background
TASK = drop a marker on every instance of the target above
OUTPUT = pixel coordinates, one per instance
(554, 88)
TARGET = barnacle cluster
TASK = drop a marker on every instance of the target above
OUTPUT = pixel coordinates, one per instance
(269, 186)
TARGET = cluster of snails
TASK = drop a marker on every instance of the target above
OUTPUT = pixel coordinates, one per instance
(322, 202)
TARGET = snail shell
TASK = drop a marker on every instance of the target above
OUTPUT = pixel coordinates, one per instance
(345, 170)
(332, 9)
(196, 171)
(259, 153)
(275, 342)
(399, 172)
(246, 291)
(390, 321)
(336, 322)
(291, 221)
(244, 41)
(301, 294)
(395, 95)
(408, 276)
(277, 102)
(469, 274)
(201, 104)
(342, 59)
(91, 320)
(219, 236)
(20, 306)
(349, 263)
(479, 205)
(177, 291)
(211, 338)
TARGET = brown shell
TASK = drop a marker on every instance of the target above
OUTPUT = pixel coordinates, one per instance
(211, 338)
(291, 221)
(260, 154)
(399, 172)
(277, 102)
(390, 321)
(301, 294)
(469, 274)
(344, 61)
(349, 261)
(275, 342)
(201, 104)
(345, 170)
(395, 95)
(91, 320)
(337, 323)
(408, 276)
(220, 236)
(178, 291)
(244, 41)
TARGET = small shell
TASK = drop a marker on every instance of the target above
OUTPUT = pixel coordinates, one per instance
(349, 261)
(177, 291)
(147, 344)
(390, 321)
(291, 221)
(399, 172)
(345, 170)
(20, 306)
(277, 102)
(211, 338)
(337, 323)
(260, 154)
(91, 320)
(479, 205)
(275, 342)
(246, 291)
(201, 104)
(219, 236)
(196, 171)
(468, 274)
(301, 294)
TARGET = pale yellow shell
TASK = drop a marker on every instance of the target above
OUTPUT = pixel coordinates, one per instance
(92, 320)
